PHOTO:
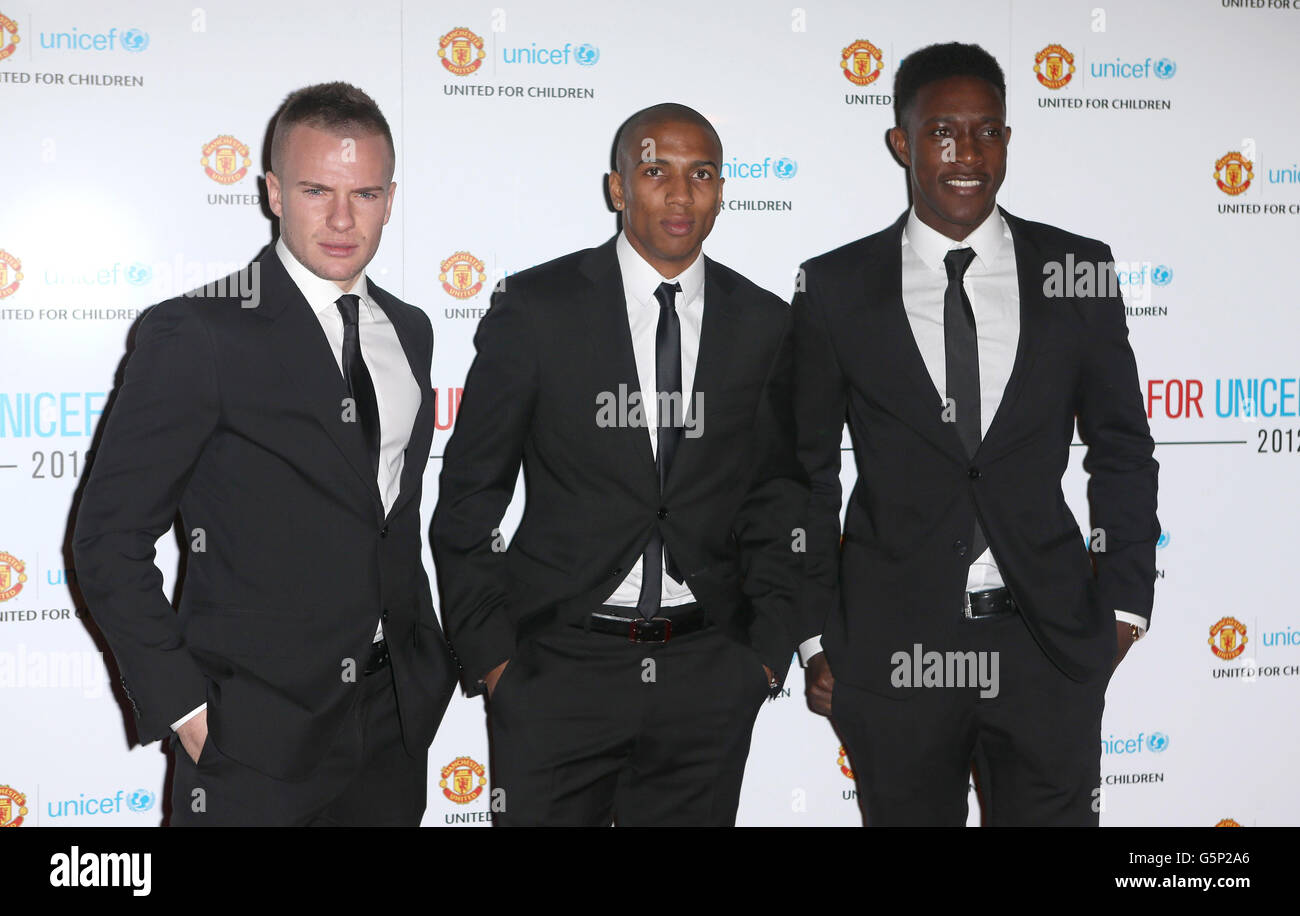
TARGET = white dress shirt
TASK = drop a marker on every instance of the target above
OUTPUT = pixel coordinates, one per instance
(993, 287)
(396, 390)
(640, 281)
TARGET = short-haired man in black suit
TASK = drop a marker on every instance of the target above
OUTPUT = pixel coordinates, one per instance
(963, 618)
(642, 613)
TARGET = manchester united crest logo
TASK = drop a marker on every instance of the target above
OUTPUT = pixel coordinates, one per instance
(463, 780)
(861, 62)
(843, 761)
(11, 274)
(225, 159)
(1228, 638)
(13, 574)
(462, 275)
(1233, 172)
(8, 36)
(1054, 66)
(461, 51)
(13, 807)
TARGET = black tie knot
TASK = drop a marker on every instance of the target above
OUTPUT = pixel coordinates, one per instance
(957, 260)
(666, 294)
(348, 304)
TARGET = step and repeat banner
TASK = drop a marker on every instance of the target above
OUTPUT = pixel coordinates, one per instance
(134, 142)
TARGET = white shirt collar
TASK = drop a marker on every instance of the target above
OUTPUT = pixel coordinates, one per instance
(931, 245)
(321, 294)
(643, 279)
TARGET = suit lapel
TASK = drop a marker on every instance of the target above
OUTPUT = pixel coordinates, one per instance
(1033, 312)
(408, 332)
(304, 352)
(905, 387)
(610, 342)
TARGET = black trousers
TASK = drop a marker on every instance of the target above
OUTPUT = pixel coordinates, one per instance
(366, 779)
(590, 729)
(1035, 746)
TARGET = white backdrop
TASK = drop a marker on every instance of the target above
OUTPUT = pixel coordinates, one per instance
(108, 207)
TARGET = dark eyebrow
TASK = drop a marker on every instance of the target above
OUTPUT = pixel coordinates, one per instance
(325, 187)
(695, 165)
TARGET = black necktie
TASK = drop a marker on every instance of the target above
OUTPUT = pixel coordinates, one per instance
(668, 379)
(962, 363)
(360, 387)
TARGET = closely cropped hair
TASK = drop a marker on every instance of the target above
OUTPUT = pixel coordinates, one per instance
(339, 108)
(937, 62)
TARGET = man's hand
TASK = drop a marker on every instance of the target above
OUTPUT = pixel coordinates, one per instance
(194, 734)
(1123, 642)
(768, 672)
(491, 678)
(818, 684)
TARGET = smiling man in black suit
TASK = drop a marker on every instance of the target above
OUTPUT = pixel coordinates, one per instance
(961, 615)
(643, 610)
(286, 412)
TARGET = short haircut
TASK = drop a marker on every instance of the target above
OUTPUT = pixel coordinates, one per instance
(938, 62)
(339, 108)
(627, 145)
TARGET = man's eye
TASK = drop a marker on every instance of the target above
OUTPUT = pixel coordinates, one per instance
(652, 170)
(313, 192)
(368, 195)
(704, 173)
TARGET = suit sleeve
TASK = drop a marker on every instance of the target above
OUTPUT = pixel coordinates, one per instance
(821, 404)
(1122, 471)
(773, 509)
(165, 410)
(480, 466)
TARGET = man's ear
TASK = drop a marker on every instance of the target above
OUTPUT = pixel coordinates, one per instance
(898, 143)
(616, 190)
(273, 194)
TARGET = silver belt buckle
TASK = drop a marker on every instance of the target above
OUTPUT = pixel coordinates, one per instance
(966, 606)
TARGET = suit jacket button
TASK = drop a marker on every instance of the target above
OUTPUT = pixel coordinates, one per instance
(974, 473)
(384, 614)
(383, 532)
(960, 548)
(663, 512)
(618, 571)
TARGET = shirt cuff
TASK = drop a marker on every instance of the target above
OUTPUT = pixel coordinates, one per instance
(808, 648)
(179, 722)
(1125, 617)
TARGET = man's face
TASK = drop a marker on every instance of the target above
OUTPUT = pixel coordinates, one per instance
(954, 143)
(670, 192)
(333, 199)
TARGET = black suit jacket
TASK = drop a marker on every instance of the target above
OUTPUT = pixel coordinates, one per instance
(900, 574)
(233, 415)
(550, 344)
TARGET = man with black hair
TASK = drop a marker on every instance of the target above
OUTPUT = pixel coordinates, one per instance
(286, 412)
(960, 617)
(642, 612)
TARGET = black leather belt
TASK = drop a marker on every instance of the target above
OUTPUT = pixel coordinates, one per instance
(656, 629)
(996, 602)
(378, 659)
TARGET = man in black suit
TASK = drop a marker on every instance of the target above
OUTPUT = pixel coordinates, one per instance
(642, 612)
(286, 412)
(961, 613)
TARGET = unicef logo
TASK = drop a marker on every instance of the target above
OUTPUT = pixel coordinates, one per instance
(140, 800)
(1165, 68)
(135, 40)
(139, 274)
(1157, 742)
(786, 168)
(1161, 275)
(1163, 541)
(586, 55)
